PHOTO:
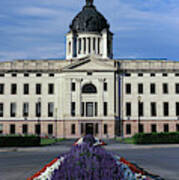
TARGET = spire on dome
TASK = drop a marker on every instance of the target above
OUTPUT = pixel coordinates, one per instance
(89, 2)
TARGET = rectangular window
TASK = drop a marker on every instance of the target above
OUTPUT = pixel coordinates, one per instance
(24, 129)
(73, 129)
(13, 88)
(51, 75)
(38, 88)
(177, 127)
(105, 86)
(89, 109)
(127, 74)
(177, 108)
(105, 129)
(140, 74)
(37, 129)
(105, 109)
(50, 129)
(176, 74)
(38, 109)
(89, 73)
(38, 74)
(26, 89)
(153, 128)
(165, 74)
(165, 88)
(12, 129)
(82, 109)
(128, 109)
(166, 128)
(2, 75)
(73, 86)
(152, 74)
(96, 109)
(128, 88)
(177, 88)
(14, 75)
(50, 109)
(13, 110)
(1, 88)
(26, 74)
(153, 109)
(165, 109)
(50, 88)
(25, 109)
(1, 128)
(96, 128)
(1, 109)
(73, 108)
(128, 128)
(140, 88)
(140, 109)
(141, 128)
(82, 128)
(152, 88)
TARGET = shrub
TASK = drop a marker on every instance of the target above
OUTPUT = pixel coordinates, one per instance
(156, 138)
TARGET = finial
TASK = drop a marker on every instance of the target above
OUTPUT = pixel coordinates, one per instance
(89, 2)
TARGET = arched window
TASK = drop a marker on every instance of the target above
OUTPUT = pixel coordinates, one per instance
(89, 88)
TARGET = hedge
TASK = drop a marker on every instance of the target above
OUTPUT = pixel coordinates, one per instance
(156, 138)
(19, 141)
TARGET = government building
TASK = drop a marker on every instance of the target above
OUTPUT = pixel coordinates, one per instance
(89, 92)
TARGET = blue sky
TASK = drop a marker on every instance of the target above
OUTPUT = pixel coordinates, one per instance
(35, 29)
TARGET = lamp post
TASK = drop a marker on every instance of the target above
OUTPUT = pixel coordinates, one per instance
(38, 115)
(139, 100)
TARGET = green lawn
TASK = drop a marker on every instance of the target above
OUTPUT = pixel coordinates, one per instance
(126, 140)
(48, 141)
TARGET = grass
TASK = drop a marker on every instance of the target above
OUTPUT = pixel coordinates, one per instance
(126, 140)
(49, 141)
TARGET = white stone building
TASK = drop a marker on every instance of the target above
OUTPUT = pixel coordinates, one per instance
(89, 92)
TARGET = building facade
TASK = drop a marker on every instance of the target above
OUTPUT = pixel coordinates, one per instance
(89, 92)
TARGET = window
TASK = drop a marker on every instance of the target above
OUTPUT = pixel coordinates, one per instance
(165, 74)
(89, 109)
(165, 88)
(73, 86)
(177, 108)
(13, 110)
(82, 128)
(177, 127)
(82, 109)
(1, 88)
(2, 75)
(24, 129)
(50, 129)
(37, 129)
(140, 109)
(128, 109)
(128, 128)
(14, 74)
(152, 74)
(140, 88)
(25, 109)
(153, 109)
(73, 129)
(38, 74)
(140, 74)
(13, 88)
(152, 88)
(105, 109)
(73, 109)
(176, 74)
(1, 109)
(166, 128)
(105, 86)
(26, 89)
(153, 128)
(1, 128)
(177, 88)
(128, 88)
(51, 75)
(141, 128)
(89, 73)
(96, 128)
(50, 88)
(96, 109)
(26, 74)
(38, 109)
(165, 109)
(50, 109)
(12, 129)
(38, 88)
(127, 74)
(89, 88)
(105, 129)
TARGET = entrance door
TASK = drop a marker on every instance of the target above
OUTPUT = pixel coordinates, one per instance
(89, 128)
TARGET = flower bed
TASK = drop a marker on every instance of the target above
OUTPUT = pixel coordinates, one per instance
(86, 161)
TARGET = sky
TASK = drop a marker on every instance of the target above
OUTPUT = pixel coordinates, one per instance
(36, 29)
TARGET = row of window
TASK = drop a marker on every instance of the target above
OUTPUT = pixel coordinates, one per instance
(165, 89)
(151, 74)
(26, 89)
(153, 128)
(25, 109)
(89, 109)
(153, 109)
(27, 74)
